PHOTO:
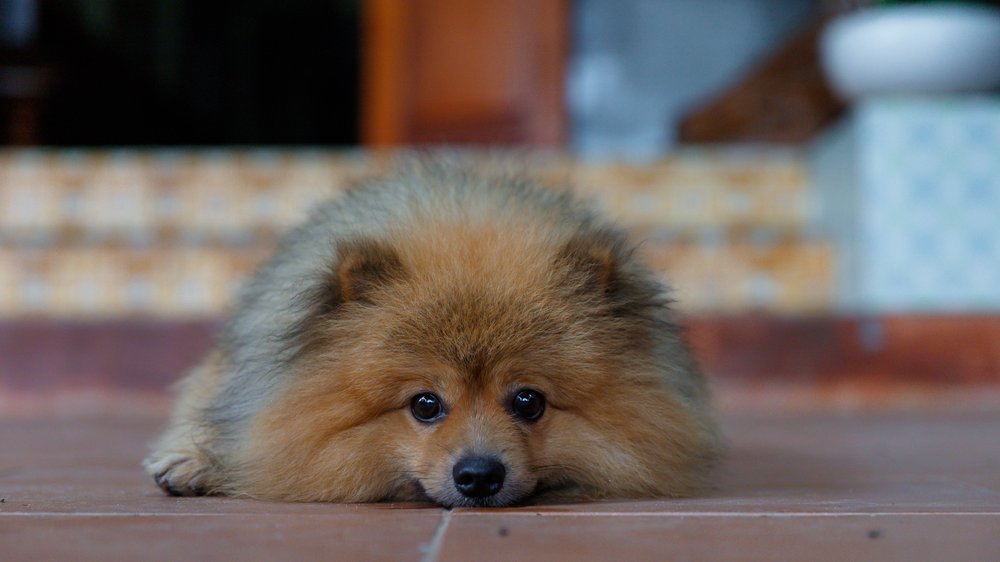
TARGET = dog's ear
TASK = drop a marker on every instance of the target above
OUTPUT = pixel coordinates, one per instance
(363, 265)
(593, 261)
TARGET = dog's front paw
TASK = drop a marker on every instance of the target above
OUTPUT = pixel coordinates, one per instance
(179, 473)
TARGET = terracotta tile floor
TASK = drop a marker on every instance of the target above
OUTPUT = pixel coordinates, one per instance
(817, 487)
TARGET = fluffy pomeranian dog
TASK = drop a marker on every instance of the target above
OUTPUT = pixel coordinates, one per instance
(474, 340)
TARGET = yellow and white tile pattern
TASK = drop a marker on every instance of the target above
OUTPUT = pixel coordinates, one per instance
(172, 233)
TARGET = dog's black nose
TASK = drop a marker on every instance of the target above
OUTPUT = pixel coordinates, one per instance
(478, 477)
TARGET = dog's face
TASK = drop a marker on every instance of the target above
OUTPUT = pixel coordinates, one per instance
(473, 385)
(490, 421)
(479, 444)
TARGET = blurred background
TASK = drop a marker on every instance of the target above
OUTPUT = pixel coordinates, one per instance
(819, 180)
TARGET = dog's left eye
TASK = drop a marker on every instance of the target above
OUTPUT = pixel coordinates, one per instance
(528, 404)
(426, 407)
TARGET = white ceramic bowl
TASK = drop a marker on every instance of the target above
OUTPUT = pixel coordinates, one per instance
(920, 48)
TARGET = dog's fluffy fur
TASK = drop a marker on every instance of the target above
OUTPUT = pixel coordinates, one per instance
(469, 286)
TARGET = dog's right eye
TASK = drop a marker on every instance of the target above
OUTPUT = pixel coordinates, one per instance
(528, 404)
(426, 407)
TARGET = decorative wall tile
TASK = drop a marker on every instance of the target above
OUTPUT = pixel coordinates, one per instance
(174, 232)
(914, 192)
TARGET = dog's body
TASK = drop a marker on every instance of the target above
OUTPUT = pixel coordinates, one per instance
(472, 340)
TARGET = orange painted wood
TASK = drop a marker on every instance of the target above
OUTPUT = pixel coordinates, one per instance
(910, 348)
(955, 350)
(460, 71)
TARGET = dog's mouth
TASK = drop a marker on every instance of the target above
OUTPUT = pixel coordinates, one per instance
(491, 501)
(453, 499)
(478, 487)
(448, 497)
(538, 495)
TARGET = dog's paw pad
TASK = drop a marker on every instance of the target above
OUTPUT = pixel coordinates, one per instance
(178, 473)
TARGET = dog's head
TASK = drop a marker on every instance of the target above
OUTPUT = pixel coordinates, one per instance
(478, 373)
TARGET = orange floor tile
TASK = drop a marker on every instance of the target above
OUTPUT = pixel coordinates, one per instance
(803, 487)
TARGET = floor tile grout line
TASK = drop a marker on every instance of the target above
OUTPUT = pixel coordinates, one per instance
(447, 516)
(114, 514)
(173, 514)
(734, 514)
(433, 549)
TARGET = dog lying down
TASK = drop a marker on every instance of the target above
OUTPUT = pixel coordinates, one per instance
(469, 338)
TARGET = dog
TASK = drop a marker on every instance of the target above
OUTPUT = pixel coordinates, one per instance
(451, 335)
